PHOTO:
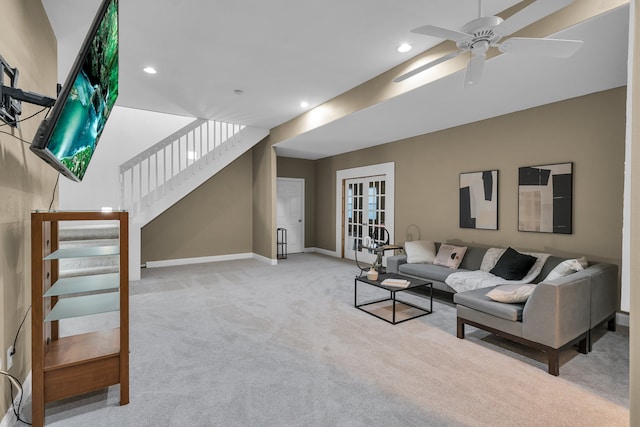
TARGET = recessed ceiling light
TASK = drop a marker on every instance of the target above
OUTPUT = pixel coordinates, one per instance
(304, 104)
(149, 70)
(404, 47)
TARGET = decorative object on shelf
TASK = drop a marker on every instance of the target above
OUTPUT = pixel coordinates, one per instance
(376, 242)
(398, 283)
(479, 200)
(412, 233)
(545, 198)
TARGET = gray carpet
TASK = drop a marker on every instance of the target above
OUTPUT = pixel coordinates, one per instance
(242, 343)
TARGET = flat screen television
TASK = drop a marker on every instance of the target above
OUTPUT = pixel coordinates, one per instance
(68, 138)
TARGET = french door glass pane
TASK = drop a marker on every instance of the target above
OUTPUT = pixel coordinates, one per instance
(364, 214)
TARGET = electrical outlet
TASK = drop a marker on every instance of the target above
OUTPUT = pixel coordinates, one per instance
(10, 357)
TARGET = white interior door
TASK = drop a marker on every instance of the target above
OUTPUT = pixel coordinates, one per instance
(290, 211)
(364, 214)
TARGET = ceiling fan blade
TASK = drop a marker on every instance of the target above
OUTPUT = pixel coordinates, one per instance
(530, 14)
(473, 75)
(443, 33)
(426, 66)
(554, 48)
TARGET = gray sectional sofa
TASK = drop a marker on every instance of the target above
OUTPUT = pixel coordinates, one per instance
(558, 313)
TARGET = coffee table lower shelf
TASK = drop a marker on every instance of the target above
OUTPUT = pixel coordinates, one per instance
(421, 311)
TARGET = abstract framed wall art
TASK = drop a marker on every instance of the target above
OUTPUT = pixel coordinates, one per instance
(545, 198)
(479, 200)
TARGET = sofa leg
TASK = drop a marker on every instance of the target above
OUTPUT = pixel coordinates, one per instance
(583, 344)
(554, 361)
(589, 342)
(611, 324)
(460, 330)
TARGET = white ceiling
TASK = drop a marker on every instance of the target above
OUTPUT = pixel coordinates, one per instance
(280, 52)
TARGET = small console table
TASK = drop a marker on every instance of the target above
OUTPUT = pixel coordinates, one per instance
(393, 290)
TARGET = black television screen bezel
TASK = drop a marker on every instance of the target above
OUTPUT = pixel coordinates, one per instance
(45, 130)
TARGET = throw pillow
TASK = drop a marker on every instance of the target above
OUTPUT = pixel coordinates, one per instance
(420, 251)
(450, 255)
(513, 265)
(490, 258)
(511, 293)
(534, 272)
(567, 267)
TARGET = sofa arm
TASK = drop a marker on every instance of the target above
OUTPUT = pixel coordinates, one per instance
(558, 311)
(604, 291)
(394, 262)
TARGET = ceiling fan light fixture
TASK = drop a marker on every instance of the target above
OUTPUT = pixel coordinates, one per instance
(404, 47)
(479, 35)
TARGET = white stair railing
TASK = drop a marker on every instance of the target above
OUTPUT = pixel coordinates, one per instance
(148, 176)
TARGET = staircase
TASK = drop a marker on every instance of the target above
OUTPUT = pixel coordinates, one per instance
(156, 179)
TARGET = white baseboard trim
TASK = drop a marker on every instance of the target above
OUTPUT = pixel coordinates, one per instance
(198, 260)
(322, 251)
(622, 319)
(9, 419)
(265, 259)
(230, 257)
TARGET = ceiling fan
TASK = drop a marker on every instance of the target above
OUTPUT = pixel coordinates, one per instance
(477, 36)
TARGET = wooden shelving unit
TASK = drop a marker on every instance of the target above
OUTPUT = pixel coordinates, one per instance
(68, 366)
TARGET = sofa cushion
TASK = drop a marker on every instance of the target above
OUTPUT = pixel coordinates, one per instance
(427, 271)
(420, 251)
(477, 299)
(450, 255)
(513, 265)
(472, 258)
(511, 293)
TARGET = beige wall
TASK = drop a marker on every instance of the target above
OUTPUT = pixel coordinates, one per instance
(215, 219)
(232, 213)
(26, 182)
(264, 194)
(588, 131)
(305, 169)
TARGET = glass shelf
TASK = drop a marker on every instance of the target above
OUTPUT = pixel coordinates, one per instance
(83, 306)
(83, 252)
(76, 285)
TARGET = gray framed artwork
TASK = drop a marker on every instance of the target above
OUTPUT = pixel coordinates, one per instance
(479, 200)
(545, 198)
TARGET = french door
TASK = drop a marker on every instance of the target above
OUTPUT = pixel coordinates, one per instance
(365, 212)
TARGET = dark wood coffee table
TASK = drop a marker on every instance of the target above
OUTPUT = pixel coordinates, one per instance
(415, 283)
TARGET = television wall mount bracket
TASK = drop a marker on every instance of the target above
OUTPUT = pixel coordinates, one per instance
(11, 97)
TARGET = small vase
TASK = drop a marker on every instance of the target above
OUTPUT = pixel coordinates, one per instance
(372, 274)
